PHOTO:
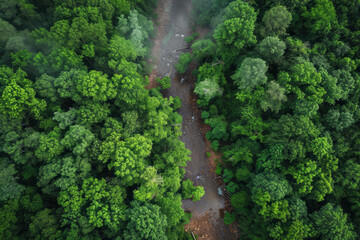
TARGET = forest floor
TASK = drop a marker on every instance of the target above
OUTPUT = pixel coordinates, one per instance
(173, 25)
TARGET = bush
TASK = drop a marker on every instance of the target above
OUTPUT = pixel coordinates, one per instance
(183, 63)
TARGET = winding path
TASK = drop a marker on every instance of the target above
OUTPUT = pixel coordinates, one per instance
(174, 25)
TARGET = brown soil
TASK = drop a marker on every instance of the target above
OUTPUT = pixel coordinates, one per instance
(206, 227)
(152, 80)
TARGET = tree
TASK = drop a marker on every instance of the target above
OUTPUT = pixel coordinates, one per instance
(345, 81)
(219, 127)
(131, 122)
(6, 31)
(274, 97)
(65, 119)
(203, 49)
(305, 81)
(240, 200)
(49, 145)
(45, 225)
(171, 207)
(94, 205)
(18, 96)
(8, 218)
(339, 120)
(274, 184)
(78, 138)
(59, 59)
(305, 174)
(271, 49)
(145, 221)
(252, 72)
(349, 176)
(120, 48)
(91, 113)
(80, 85)
(136, 28)
(9, 11)
(331, 223)
(44, 86)
(165, 82)
(236, 31)
(331, 86)
(96, 86)
(190, 191)
(292, 5)
(131, 93)
(321, 18)
(9, 188)
(62, 173)
(276, 20)
(126, 157)
(184, 60)
(208, 89)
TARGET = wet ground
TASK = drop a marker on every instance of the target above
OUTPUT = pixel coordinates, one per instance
(174, 25)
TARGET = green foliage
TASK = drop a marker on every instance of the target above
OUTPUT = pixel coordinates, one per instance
(9, 188)
(8, 218)
(229, 218)
(44, 86)
(208, 89)
(279, 162)
(18, 96)
(126, 157)
(184, 60)
(252, 72)
(190, 191)
(49, 145)
(203, 49)
(321, 18)
(45, 225)
(271, 49)
(145, 222)
(350, 175)
(165, 82)
(87, 152)
(236, 31)
(332, 223)
(80, 85)
(60, 59)
(276, 20)
(6, 32)
(274, 97)
(77, 139)
(120, 48)
(205, 15)
(218, 128)
(276, 186)
(339, 120)
(74, 110)
(136, 28)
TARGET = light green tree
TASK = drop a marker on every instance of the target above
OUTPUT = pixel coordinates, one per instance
(208, 89)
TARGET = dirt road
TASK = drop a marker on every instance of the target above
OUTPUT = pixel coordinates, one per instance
(174, 25)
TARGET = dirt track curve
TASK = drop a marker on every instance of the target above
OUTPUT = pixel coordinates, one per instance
(174, 25)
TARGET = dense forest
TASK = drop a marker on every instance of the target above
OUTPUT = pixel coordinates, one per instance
(278, 82)
(86, 151)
